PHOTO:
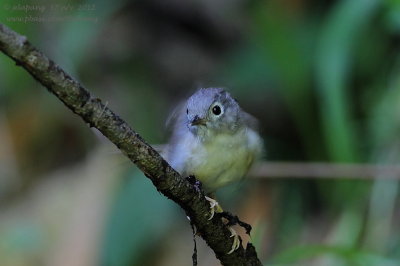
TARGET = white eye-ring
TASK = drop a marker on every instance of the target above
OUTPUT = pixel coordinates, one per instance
(217, 109)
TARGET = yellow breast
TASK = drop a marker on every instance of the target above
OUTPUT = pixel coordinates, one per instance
(223, 160)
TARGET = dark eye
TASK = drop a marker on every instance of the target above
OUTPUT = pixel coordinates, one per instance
(187, 111)
(216, 110)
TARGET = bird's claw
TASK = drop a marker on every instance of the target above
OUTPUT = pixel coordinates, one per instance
(214, 206)
(236, 240)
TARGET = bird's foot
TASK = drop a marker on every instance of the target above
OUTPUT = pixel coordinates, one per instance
(216, 208)
(236, 240)
(233, 220)
(195, 183)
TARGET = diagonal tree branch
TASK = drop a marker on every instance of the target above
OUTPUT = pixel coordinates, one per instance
(98, 115)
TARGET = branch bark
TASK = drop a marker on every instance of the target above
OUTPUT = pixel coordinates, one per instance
(96, 114)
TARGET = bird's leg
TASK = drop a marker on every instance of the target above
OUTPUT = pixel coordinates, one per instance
(197, 185)
(216, 208)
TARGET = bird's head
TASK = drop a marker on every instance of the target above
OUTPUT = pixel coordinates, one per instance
(212, 111)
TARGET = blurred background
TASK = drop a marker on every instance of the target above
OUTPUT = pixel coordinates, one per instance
(322, 77)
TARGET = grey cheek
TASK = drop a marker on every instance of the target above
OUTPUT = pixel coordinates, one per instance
(216, 126)
(193, 129)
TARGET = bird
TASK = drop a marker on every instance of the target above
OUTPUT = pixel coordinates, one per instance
(214, 140)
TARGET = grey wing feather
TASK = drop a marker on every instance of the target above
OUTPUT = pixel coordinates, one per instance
(177, 125)
(176, 115)
(250, 121)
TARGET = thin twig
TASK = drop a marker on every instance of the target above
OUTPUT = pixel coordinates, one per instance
(98, 115)
(324, 170)
(320, 170)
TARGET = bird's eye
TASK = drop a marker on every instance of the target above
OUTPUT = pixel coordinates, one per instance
(187, 111)
(216, 110)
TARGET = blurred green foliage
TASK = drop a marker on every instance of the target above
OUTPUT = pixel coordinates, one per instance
(134, 205)
(321, 76)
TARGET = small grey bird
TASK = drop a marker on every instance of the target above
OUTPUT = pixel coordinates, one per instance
(214, 140)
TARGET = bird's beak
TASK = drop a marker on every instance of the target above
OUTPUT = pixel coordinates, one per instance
(197, 121)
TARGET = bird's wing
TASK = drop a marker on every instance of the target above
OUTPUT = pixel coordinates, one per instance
(176, 116)
(250, 121)
(176, 125)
